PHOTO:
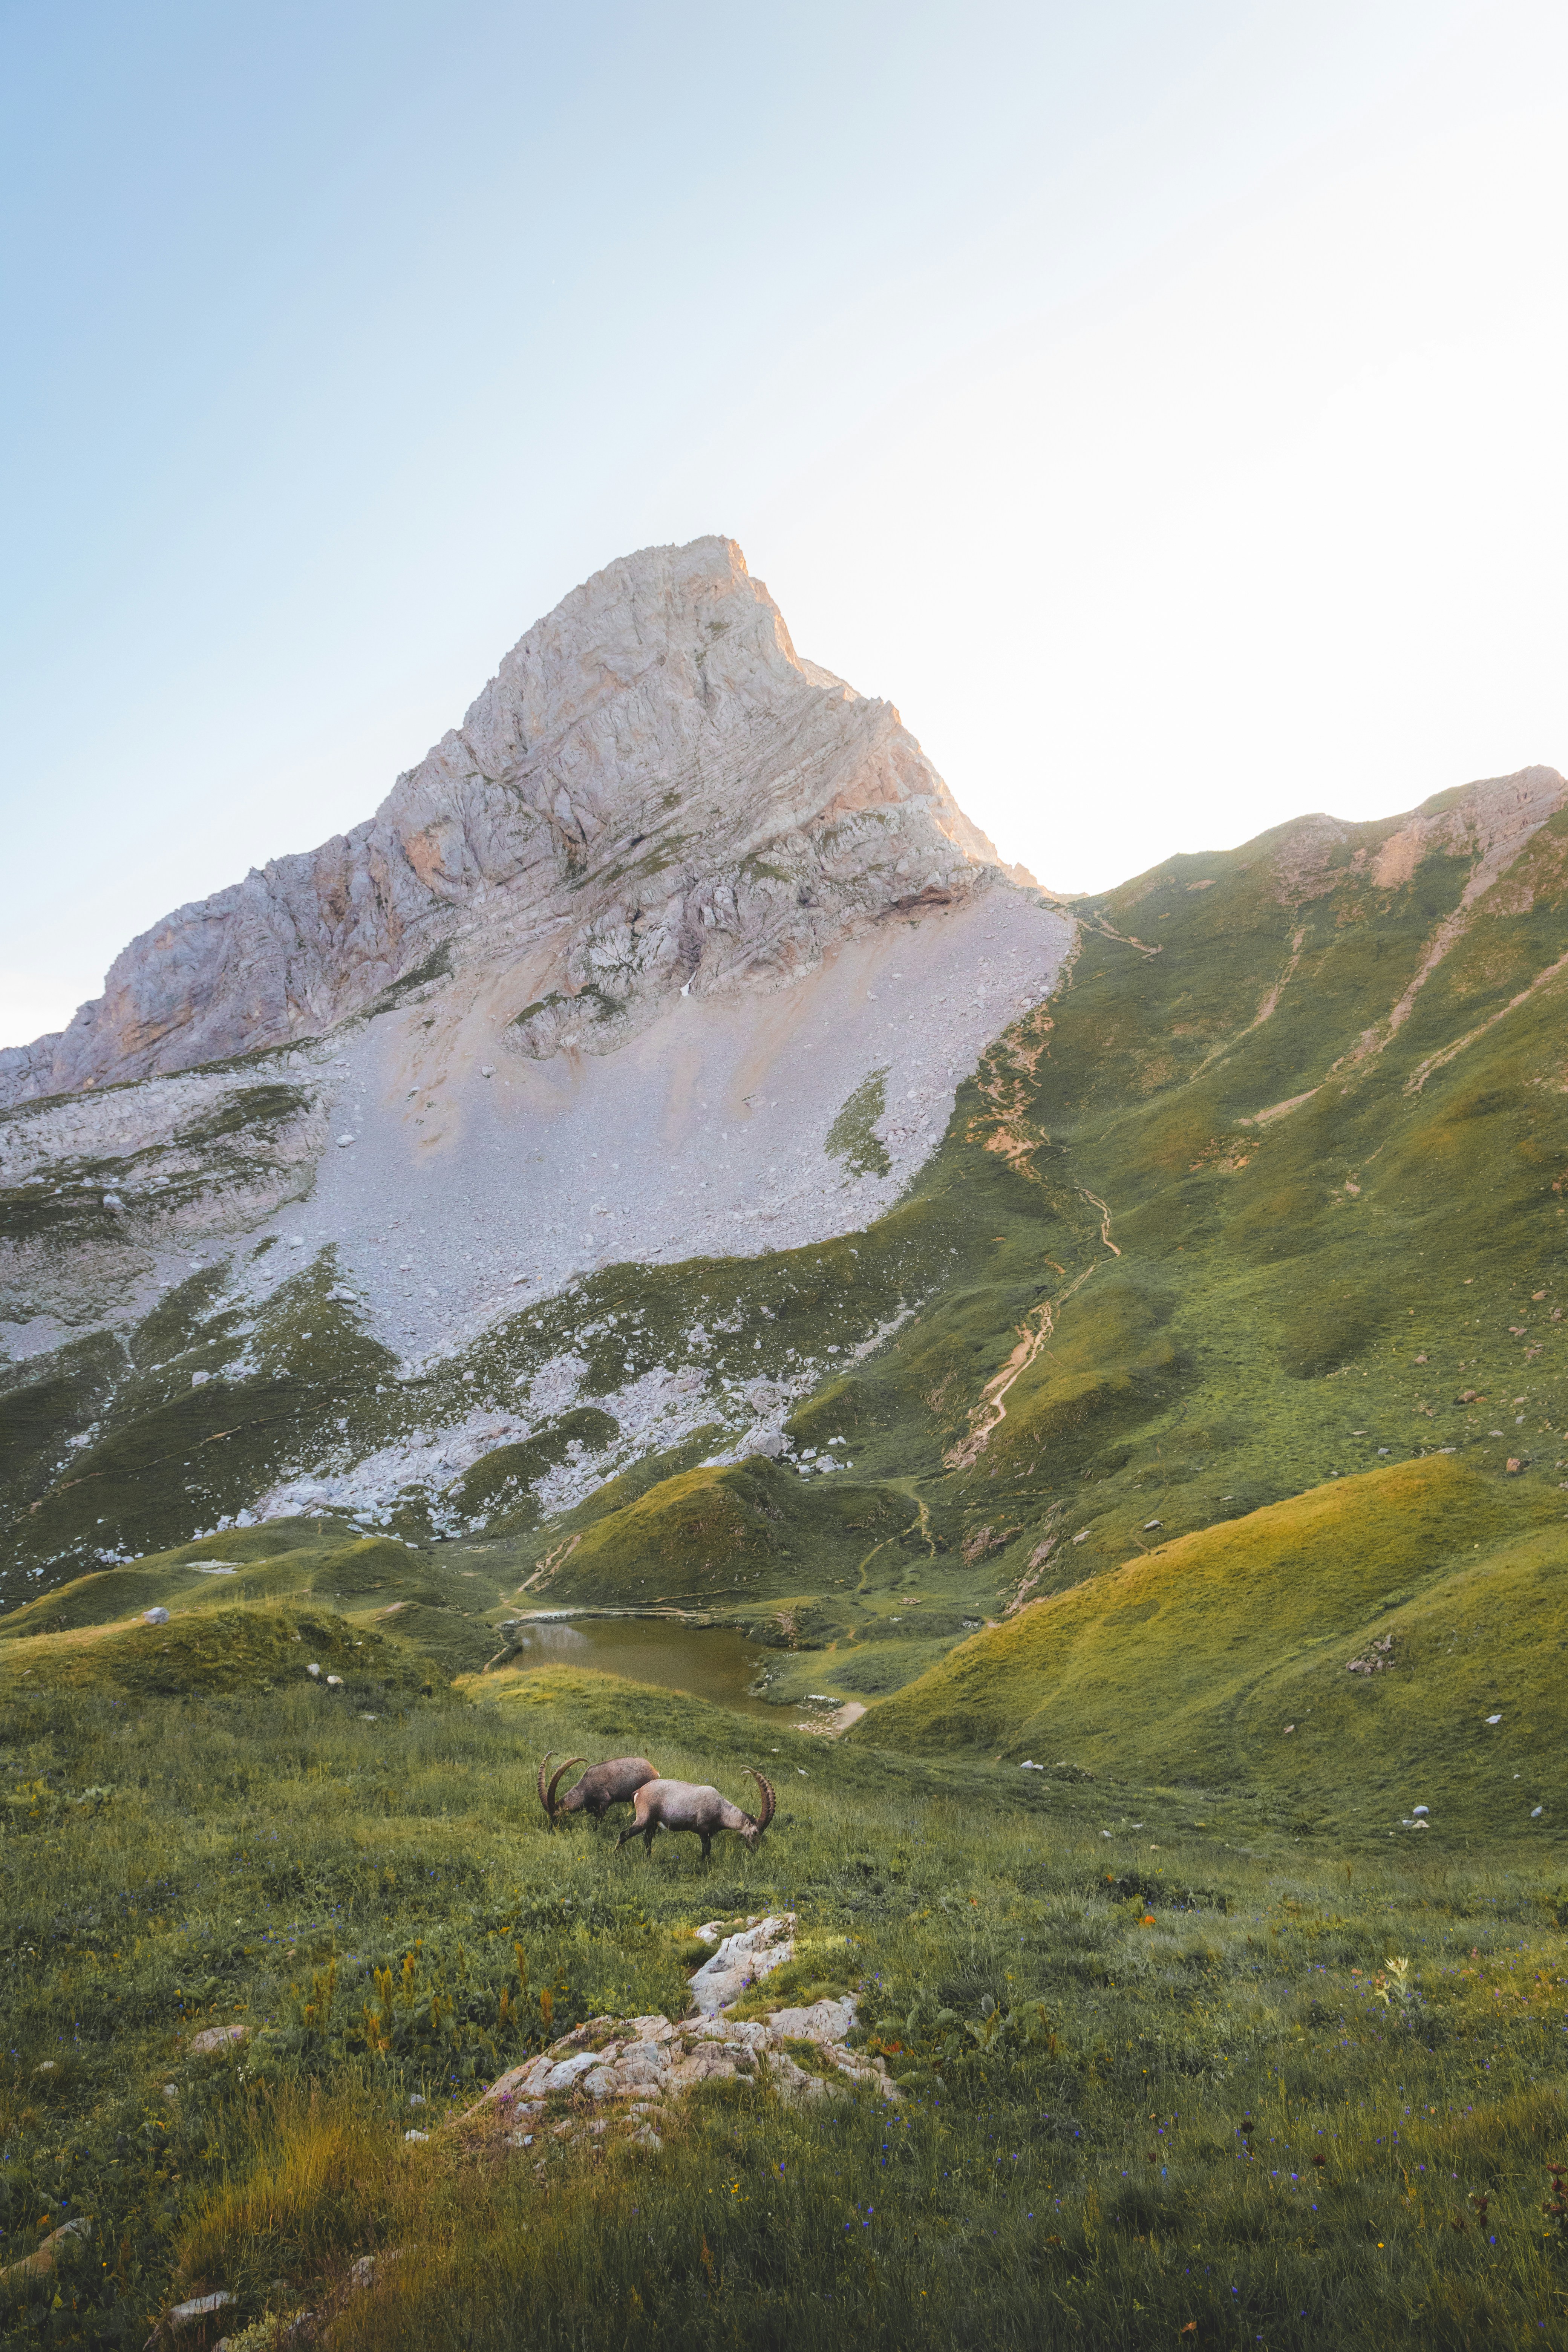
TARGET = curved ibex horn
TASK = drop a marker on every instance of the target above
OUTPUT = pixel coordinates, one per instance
(555, 1780)
(769, 1800)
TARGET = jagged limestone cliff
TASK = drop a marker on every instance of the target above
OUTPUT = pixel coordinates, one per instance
(653, 793)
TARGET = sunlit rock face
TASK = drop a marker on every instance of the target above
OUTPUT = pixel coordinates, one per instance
(654, 794)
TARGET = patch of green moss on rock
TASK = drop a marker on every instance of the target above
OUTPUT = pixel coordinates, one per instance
(436, 965)
(248, 1111)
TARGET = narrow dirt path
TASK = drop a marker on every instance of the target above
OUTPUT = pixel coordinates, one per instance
(1123, 938)
(1104, 1219)
(1007, 1126)
(1418, 1077)
(906, 1486)
(987, 1417)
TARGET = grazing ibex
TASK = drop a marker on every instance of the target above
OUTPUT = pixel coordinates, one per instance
(615, 1783)
(685, 1805)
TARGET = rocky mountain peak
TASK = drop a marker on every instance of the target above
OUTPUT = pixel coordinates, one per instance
(654, 794)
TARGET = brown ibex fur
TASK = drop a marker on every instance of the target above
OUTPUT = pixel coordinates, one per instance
(688, 1805)
(604, 1785)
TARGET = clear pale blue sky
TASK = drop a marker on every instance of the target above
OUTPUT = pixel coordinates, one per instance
(1160, 400)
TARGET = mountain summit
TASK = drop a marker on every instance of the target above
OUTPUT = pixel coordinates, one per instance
(654, 793)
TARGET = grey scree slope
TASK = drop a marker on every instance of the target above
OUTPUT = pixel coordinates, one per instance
(707, 1134)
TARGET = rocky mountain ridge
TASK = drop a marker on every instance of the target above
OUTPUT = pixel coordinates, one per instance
(654, 794)
(675, 953)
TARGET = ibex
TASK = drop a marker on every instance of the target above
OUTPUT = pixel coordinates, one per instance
(613, 1784)
(684, 1805)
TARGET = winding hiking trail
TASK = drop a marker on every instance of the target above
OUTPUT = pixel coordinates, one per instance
(906, 1486)
(1094, 1199)
(987, 1416)
(1005, 1076)
(1424, 1070)
(1108, 930)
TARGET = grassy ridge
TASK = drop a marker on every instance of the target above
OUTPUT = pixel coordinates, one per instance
(731, 1537)
(1213, 2022)
(430, 1600)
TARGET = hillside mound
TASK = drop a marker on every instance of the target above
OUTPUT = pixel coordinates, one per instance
(433, 1605)
(1344, 1644)
(217, 1653)
(746, 1532)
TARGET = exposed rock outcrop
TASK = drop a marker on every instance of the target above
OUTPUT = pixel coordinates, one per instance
(654, 794)
(635, 2068)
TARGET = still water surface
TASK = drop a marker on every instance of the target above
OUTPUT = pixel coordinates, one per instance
(711, 1662)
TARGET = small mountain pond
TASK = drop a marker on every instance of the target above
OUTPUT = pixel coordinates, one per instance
(711, 1662)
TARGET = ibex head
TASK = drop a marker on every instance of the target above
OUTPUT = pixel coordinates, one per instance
(547, 1796)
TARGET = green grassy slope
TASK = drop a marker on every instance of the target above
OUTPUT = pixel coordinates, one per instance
(1226, 1658)
(217, 1651)
(358, 1895)
(1160, 1300)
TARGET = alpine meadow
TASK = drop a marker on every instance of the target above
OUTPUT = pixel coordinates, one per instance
(660, 1246)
